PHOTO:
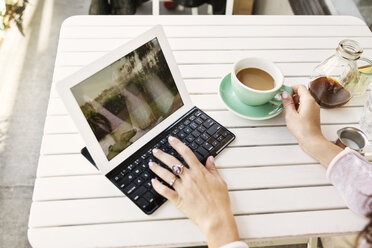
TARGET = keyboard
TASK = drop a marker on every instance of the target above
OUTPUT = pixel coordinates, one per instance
(205, 136)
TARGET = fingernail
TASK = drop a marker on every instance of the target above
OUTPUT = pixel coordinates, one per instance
(152, 180)
(155, 150)
(171, 138)
(151, 164)
(285, 95)
(211, 159)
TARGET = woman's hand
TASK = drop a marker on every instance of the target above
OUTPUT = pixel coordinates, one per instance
(302, 115)
(200, 193)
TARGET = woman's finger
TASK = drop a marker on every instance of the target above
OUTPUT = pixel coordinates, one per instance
(289, 106)
(164, 191)
(166, 158)
(164, 174)
(185, 152)
(211, 166)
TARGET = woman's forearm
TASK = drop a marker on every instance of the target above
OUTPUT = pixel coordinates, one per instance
(221, 231)
(321, 149)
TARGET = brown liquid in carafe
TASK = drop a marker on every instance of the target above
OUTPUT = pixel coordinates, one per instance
(328, 92)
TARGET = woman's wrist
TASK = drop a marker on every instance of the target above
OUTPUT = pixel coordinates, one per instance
(221, 230)
(320, 149)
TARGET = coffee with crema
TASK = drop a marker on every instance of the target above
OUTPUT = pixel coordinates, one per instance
(256, 79)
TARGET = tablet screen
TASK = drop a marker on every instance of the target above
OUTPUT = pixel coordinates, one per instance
(125, 100)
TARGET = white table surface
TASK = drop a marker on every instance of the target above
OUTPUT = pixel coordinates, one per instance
(277, 191)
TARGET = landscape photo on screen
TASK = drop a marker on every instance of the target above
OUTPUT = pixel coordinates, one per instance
(128, 98)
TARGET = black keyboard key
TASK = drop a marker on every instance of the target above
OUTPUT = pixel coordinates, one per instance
(131, 167)
(175, 131)
(130, 177)
(138, 192)
(198, 113)
(211, 140)
(193, 125)
(181, 135)
(149, 197)
(195, 133)
(215, 143)
(128, 190)
(144, 156)
(173, 152)
(126, 181)
(187, 130)
(220, 138)
(193, 146)
(187, 122)
(225, 133)
(190, 138)
(199, 121)
(216, 135)
(163, 141)
(137, 171)
(199, 141)
(204, 116)
(164, 149)
(148, 184)
(150, 159)
(202, 151)
(139, 180)
(218, 148)
(198, 156)
(143, 203)
(118, 178)
(208, 146)
(201, 129)
(205, 136)
(144, 166)
(138, 161)
(124, 172)
(192, 118)
(208, 123)
(213, 129)
(181, 127)
(145, 175)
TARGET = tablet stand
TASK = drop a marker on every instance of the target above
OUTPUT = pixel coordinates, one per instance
(87, 155)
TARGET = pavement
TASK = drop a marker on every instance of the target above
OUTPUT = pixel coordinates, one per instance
(26, 70)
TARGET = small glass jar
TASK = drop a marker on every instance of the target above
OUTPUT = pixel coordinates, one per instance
(333, 82)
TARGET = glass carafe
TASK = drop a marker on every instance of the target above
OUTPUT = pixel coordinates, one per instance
(334, 81)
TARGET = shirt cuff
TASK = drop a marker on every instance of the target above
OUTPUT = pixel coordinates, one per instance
(339, 156)
(236, 244)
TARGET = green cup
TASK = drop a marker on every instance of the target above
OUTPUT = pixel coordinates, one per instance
(255, 97)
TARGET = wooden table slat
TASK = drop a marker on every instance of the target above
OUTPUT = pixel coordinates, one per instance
(201, 31)
(179, 232)
(59, 124)
(121, 209)
(214, 57)
(228, 43)
(97, 186)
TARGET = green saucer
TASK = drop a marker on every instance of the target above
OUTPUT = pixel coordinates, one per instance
(232, 102)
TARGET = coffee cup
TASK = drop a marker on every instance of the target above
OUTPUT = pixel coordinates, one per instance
(255, 97)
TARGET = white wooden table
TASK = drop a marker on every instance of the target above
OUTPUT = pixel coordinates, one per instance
(277, 191)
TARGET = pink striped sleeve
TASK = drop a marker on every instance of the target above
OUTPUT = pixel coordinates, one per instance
(351, 174)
